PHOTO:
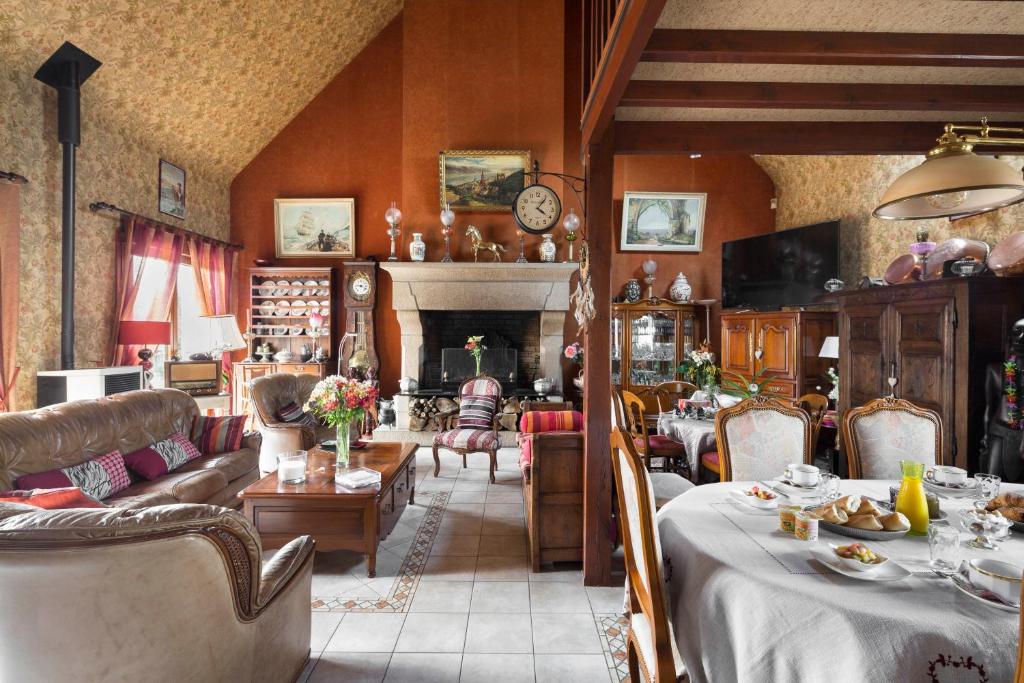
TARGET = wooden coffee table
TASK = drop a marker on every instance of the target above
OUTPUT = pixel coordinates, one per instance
(336, 517)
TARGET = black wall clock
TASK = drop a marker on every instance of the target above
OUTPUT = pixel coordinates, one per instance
(537, 208)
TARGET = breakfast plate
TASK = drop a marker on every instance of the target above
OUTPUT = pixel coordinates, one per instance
(889, 571)
(791, 490)
(965, 586)
(952, 490)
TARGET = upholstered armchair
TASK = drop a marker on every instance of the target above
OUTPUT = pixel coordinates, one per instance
(759, 436)
(882, 432)
(270, 394)
(473, 426)
(173, 592)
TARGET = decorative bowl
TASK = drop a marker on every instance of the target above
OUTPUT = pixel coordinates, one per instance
(856, 565)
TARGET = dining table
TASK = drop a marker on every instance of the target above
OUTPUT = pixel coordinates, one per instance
(697, 435)
(748, 602)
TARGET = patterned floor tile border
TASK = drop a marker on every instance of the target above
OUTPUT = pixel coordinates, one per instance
(613, 629)
(399, 597)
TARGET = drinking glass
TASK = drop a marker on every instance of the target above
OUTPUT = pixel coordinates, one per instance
(988, 485)
(944, 547)
(828, 486)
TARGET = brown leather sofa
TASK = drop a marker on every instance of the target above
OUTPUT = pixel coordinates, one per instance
(166, 593)
(269, 394)
(70, 433)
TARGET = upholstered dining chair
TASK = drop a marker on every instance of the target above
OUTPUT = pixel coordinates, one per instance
(476, 422)
(667, 394)
(630, 410)
(667, 485)
(882, 432)
(650, 651)
(759, 436)
(816, 406)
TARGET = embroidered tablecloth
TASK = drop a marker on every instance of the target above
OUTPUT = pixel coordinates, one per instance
(697, 436)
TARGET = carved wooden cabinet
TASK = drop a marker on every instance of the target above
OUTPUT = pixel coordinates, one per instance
(935, 338)
(782, 344)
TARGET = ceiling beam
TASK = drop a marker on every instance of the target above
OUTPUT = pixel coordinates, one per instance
(824, 47)
(628, 34)
(781, 137)
(877, 96)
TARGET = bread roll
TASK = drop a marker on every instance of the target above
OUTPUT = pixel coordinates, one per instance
(832, 514)
(867, 522)
(868, 507)
(895, 521)
(849, 504)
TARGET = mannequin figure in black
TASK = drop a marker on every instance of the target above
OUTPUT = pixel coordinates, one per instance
(1002, 453)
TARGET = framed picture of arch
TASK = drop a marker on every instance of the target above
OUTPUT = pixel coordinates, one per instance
(662, 221)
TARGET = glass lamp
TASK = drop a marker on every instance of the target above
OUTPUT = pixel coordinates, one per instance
(650, 266)
(571, 223)
(393, 216)
(447, 218)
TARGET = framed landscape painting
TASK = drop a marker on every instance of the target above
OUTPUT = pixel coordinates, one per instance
(171, 190)
(482, 180)
(662, 221)
(315, 227)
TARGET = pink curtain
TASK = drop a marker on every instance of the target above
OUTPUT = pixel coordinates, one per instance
(213, 265)
(146, 253)
(10, 229)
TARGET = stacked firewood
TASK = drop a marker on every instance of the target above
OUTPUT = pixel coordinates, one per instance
(424, 413)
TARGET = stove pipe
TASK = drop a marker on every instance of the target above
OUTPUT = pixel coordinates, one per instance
(65, 71)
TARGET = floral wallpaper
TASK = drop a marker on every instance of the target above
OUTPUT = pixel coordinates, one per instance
(818, 188)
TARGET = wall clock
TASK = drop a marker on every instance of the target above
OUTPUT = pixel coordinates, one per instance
(358, 351)
(537, 208)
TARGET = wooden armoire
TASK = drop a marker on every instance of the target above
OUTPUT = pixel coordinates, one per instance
(782, 344)
(936, 338)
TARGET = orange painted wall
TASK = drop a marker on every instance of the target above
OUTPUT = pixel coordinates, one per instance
(738, 205)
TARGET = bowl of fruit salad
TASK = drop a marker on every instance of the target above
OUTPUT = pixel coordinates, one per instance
(858, 557)
(760, 497)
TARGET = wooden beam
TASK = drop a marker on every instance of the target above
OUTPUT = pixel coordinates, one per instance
(597, 463)
(823, 47)
(782, 137)
(876, 96)
(626, 39)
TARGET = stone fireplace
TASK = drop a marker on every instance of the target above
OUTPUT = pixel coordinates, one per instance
(438, 304)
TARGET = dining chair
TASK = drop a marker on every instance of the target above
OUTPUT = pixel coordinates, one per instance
(1018, 676)
(816, 406)
(759, 436)
(630, 410)
(882, 432)
(667, 485)
(476, 426)
(667, 394)
(650, 653)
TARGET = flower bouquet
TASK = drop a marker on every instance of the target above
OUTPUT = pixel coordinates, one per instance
(700, 369)
(574, 353)
(476, 349)
(340, 401)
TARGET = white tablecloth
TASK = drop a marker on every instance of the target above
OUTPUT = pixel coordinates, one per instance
(748, 603)
(697, 436)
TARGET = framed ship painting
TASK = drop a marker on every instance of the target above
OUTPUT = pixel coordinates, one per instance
(662, 221)
(315, 227)
(171, 190)
(480, 181)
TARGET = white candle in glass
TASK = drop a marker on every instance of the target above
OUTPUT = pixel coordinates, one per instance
(291, 471)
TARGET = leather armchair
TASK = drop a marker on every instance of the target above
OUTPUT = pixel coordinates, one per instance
(269, 394)
(171, 593)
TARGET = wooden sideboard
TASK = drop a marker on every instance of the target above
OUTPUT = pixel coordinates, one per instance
(243, 373)
(783, 344)
(936, 338)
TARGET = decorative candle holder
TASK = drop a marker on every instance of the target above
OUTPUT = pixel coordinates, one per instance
(393, 216)
(922, 247)
(650, 266)
(248, 337)
(522, 247)
(571, 223)
(291, 467)
(447, 218)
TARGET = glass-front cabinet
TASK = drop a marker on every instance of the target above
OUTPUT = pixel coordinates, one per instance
(649, 339)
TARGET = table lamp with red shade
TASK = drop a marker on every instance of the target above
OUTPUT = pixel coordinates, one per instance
(143, 333)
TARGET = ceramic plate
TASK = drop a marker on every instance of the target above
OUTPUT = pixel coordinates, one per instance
(282, 309)
(890, 571)
(968, 490)
(967, 588)
(267, 288)
(299, 308)
(282, 288)
(267, 308)
(863, 534)
(793, 490)
(280, 331)
(754, 502)
(295, 331)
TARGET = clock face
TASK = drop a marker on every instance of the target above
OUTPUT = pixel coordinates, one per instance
(537, 209)
(359, 286)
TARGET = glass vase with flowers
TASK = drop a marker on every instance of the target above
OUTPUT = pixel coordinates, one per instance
(476, 349)
(340, 401)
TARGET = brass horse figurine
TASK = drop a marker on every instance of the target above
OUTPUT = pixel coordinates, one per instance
(480, 245)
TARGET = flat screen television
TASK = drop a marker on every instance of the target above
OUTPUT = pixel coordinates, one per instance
(784, 268)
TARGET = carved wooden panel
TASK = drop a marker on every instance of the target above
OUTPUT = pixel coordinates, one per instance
(737, 345)
(922, 355)
(776, 339)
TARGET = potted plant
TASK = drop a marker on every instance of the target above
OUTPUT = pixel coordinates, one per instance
(340, 401)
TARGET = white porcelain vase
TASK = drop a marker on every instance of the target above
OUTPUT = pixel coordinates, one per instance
(548, 250)
(680, 291)
(417, 248)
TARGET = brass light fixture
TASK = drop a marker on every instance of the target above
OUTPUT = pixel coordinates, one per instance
(953, 180)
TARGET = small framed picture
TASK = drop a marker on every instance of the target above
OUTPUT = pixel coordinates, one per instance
(315, 227)
(171, 195)
(482, 180)
(662, 221)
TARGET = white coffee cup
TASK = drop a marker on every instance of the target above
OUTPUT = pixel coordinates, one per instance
(804, 475)
(951, 476)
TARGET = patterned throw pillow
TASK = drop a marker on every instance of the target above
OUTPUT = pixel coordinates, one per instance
(536, 421)
(100, 477)
(52, 499)
(292, 412)
(476, 412)
(156, 460)
(214, 435)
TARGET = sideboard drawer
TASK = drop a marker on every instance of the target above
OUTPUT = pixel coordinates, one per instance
(781, 390)
(302, 368)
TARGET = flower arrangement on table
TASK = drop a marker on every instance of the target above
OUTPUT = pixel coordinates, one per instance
(476, 349)
(834, 378)
(340, 401)
(699, 368)
(574, 353)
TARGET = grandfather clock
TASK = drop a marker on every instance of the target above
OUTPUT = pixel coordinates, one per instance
(357, 353)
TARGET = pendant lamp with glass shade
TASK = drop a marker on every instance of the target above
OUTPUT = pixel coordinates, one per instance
(953, 180)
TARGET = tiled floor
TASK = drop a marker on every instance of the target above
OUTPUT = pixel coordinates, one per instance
(478, 613)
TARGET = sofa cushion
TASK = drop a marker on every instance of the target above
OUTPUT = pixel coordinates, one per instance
(213, 435)
(52, 499)
(100, 477)
(162, 457)
(176, 487)
(536, 421)
(232, 465)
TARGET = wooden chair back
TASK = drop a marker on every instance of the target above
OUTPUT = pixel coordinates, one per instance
(759, 436)
(629, 416)
(816, 406)
(651, 660)
(667, 394)
(1018, 676)
(880, 433)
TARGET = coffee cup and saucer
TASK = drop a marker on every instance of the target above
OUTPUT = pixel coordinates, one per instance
(801, 475)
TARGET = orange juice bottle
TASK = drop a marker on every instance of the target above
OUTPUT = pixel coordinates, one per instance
(911, 500)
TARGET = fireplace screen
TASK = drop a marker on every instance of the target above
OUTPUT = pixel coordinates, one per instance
(458, 365)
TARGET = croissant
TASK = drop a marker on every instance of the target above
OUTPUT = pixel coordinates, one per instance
(894, 521)
(849, 504)
(867, 522)
(1014, 514)
(1006, 500)
(868, 507)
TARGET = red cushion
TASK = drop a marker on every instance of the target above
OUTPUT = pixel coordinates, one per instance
(52, 499)
(710, 460)
(100, 477)
(525, 453)
(664, 446)
(536, 421)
